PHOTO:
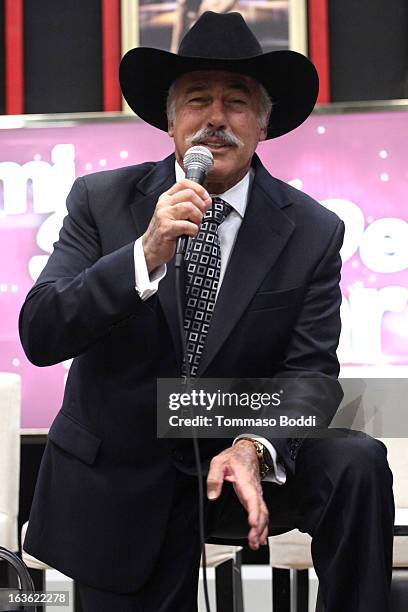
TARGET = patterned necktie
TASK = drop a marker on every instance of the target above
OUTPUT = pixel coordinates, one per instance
(203, 264)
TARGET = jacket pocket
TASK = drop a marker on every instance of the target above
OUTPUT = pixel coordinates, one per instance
(269, 300)
(74, 438)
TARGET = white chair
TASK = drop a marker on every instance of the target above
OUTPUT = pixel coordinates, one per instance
(292, 550)
(226, 560)
(10, 414)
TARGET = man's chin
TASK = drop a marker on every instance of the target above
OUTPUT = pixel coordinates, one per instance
(220, 170)
(221, 177)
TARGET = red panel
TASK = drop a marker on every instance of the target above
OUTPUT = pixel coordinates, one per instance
(111, 54)
(14, 57)
(319, 51)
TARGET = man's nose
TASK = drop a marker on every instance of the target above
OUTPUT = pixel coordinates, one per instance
(217, 115)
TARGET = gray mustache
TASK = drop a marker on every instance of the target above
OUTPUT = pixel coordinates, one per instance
(227, 138)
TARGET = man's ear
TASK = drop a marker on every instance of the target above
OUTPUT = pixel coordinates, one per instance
(170, 128)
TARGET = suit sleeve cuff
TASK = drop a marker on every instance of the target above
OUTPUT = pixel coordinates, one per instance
(278, 474)
(146, 285)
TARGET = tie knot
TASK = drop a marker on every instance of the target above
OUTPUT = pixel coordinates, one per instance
(218, 212)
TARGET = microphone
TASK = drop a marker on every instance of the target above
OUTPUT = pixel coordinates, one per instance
(197, 161)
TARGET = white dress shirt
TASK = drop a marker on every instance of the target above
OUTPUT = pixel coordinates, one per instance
(147, 285)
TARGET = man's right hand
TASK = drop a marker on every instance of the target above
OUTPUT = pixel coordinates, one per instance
(179, 211)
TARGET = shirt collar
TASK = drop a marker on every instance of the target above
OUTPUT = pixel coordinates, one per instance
(236, 196)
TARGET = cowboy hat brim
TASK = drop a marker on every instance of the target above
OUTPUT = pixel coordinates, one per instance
(290, 79)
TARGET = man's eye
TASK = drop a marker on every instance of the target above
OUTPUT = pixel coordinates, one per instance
(238, 101)
(197, 100)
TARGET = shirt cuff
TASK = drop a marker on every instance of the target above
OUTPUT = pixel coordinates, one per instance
(278, 474)
(146, 285)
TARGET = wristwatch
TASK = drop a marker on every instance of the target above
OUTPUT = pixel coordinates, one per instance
(262, 455)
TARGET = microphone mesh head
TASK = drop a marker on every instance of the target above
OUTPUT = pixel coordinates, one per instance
(198, 156)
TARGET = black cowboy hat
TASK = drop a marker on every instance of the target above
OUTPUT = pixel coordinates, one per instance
(221, 42)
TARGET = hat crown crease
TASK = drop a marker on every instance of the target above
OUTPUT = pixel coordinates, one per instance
(229, 35)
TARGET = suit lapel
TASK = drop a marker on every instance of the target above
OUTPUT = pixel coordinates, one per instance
(149, 188)
(264, 232)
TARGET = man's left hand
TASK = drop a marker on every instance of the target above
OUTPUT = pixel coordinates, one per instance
(239, 465)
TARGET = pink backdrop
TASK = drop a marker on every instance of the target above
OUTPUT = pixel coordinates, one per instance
(355, 164)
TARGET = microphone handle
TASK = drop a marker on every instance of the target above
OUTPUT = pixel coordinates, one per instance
(196, 174)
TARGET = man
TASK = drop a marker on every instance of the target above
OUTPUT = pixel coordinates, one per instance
(115, 507)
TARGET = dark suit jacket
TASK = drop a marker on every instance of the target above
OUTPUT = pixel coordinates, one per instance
(106, 483)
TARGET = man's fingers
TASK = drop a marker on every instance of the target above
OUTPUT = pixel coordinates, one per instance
(183, 228)
(190, 185)
(263, 518)
(214, 488)
(188, 195)
(215, 478)
(258, 534)
(253, 504)
(187, 211)
(254, 509)
(248, 494)
(264, 536)
(258, 515)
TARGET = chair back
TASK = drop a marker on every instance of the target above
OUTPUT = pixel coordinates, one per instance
(12, 601)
